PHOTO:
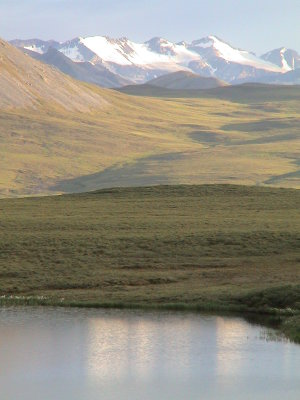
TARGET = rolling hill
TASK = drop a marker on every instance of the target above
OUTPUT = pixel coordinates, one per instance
(245, 93)
(59, 135)
(184, 80)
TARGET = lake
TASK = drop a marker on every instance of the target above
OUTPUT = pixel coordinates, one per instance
(85, 354)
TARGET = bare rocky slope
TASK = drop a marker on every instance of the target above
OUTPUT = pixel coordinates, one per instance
(25, 82)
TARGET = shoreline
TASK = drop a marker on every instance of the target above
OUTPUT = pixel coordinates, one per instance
(284, 321)
(208, 248)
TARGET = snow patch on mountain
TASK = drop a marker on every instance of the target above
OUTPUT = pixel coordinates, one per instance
(286, 59)
(107, 49)
(157, 51)
(73, 53)
(231, 54)
(35, 48)
(285, 64)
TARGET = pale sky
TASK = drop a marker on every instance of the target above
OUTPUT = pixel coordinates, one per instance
(254, 25)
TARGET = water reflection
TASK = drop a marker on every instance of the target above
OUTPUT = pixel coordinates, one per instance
(232, 340)
(83, 354)
(134, 346)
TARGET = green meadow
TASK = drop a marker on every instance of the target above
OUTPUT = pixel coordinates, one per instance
(206, 247)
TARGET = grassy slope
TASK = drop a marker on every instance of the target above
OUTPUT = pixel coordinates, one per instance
(250, 93)
(136, 141)
(183, 80)
(218, 247)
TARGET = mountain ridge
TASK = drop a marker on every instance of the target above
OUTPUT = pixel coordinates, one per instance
(142, 62)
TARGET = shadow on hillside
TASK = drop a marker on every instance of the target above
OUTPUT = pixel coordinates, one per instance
(139, 173)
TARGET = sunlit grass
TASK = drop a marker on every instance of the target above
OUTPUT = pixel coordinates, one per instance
(40, 148)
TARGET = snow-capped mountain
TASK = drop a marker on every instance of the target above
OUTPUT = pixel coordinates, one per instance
(285, 58)
(136, 61)
(212, 49)
(231, 64)
(141, 62)
(36, 45)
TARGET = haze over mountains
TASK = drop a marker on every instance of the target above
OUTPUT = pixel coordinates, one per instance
(142, 62)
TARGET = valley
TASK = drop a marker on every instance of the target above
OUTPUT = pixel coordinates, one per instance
(141, 141)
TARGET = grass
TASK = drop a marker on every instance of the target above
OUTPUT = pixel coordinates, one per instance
(208, 247)
(249, 93)
(144, 141)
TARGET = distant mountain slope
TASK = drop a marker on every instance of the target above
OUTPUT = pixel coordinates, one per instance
(141, 62)
(289, 78)
(231, 64)
(26, 82)
(186, 80)
(36, 45)
(83, 71)
(292, 77)
(284, 58)
(244, 93)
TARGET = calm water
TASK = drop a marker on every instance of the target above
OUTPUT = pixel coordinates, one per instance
(57, 354)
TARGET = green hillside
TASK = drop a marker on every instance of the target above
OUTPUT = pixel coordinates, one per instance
(149, 141)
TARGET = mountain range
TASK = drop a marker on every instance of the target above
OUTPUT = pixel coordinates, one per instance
(116, 62)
